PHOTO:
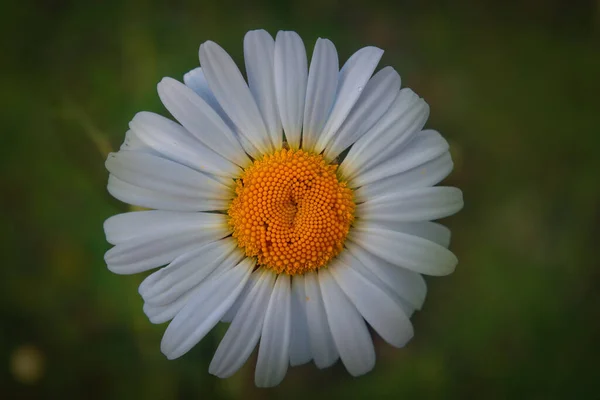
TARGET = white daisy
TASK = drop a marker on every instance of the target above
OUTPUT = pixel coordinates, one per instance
(258, 225)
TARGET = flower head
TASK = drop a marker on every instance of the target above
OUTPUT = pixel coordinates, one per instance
(296, 207)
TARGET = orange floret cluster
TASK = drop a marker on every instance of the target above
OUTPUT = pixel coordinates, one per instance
(291, 211)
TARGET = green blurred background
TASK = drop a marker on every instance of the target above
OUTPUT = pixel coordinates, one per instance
(515, 88)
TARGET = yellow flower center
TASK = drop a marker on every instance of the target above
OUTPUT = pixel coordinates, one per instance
(291, 211)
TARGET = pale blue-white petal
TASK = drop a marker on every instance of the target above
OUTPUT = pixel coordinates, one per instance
(375, 100)
(291, 74)
(175, 143)
(427, 145)
(227, 84)
(273, 352)
(157, 244)
(158, 199)
(320, 91)
(196, 81)
(300, 352)
(412, 205)
(259, 56)
(204, 310)
(161, 175)
(407, 285)
(243, 333)
(201, 120)
(324, 352)
(405, 250)
(187, 271)
(428, 174)
(350, 333)
(352, 79)
(379, 309)
(402, 121)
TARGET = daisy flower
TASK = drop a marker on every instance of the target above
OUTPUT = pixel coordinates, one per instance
(296, 206)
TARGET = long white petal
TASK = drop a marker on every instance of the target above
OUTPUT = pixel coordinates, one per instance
(375, 100)
(204, 310)
(133, 143)
(187, 271)
(323, 349)
(407, 205)
(158, 245)
(158, 174)
(432, 231)
(273, 352)
(291, 74)
(201, 120)
(196, 81)
(160, 200)
(427, 145)
(232, 92)
(428, 174)
(175, 143)
(348, 328)
(402, 121)
(352, 79)
(406, 284)
(244, 331)
(299, 345)
(259, 55)
(404, 250)
(320, 91)
(135, 225)
(160, 313)
(230, 314)
(380, 310)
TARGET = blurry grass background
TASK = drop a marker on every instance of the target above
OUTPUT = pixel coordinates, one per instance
(513, 86)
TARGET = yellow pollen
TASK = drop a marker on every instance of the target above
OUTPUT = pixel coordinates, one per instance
(291, 212)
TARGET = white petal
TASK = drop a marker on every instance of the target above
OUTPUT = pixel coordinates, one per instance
(204, 310)
(380, 310)
(201, 120)
(323, 349)
(375, 100)
(175, 143)
(348, 328)
(408, 285)
(428, 174)
(299, 345)
(432, 231)
(135, 225)
(427, 145)
(273, 352)
(291, 75)
(230, 89)
(160, 313)
(164, 313)
(230, 314)
(196, 81)
(320, 91)
(244, 332)
(420, 204)
(404, 250)
(259, 49)
(159, 200)
(187, 271)
(351, 81)
(158, 245)
(158, 174)
(402, 121)
(133, 143)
